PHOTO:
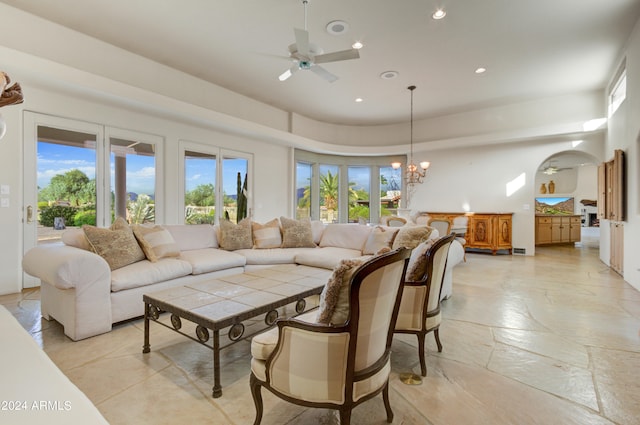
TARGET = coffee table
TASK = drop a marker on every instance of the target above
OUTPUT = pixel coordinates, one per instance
(225, 302)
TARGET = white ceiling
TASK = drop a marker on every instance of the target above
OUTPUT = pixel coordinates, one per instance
(531, 48)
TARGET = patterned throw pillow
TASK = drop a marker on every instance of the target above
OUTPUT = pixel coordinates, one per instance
(296, 233)
(379, 238)
(411, 236)
(156, 242)
(235, 236)
(417, 267)
(266, 235)
(334, 299)
(117, 245)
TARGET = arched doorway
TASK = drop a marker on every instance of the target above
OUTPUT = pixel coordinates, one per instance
(567, 186)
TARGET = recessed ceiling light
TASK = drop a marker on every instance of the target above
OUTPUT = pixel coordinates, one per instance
(337, 27)
(359, 99)
(357, 45)
(439, 14)
(480, 70)
(388, 75)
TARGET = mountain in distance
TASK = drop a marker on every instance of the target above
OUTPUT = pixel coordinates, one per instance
(557, 208)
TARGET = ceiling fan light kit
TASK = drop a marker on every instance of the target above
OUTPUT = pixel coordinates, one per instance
(307, 56)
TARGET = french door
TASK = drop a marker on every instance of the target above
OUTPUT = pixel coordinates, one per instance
(78, 173)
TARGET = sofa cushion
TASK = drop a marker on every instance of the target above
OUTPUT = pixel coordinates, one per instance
(116, 245)
(273, 255)
(411, 236)
(326, 258)
(211, 259)
(235, 236)
(317, 229)
(76, 238)
(193, 236)
(379, 238)
(266, 235)
(334, 299)
(417, 267)
(350, 236)
(145, 273)
(156, 242)
(296, 233)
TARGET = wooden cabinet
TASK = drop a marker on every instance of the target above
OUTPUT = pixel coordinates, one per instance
(616, 259)
(485, 231)
(611, 188)
(557, 229)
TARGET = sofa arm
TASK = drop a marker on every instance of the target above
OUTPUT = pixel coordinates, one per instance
(66, 267)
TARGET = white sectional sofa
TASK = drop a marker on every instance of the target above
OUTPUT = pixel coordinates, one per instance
(81, 291)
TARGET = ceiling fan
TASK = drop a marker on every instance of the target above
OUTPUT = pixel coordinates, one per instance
(307, 56)
(550, 169)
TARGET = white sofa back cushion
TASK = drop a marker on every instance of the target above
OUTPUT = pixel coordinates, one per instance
(76, 238)
(193, 236)
(350, 236)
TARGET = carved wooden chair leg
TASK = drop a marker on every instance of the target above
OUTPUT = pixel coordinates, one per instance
(423, 363)
(436, 333)
(345, 416)
(257, 398)
(387, 405)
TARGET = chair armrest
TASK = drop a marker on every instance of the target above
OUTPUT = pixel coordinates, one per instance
(66, 267)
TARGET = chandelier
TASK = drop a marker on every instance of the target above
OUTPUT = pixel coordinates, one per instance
(412, 175)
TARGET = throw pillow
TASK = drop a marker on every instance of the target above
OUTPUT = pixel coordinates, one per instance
(296, 233)
(417, 267)
(411, 236)
(117, 245)
(235, 236)
(334, 299)
(156, 242)
(379, 238)
(266, 235)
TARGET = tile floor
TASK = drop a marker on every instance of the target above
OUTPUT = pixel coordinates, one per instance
(550, 339)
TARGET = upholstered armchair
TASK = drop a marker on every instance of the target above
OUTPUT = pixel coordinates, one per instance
(335, 365)
(393, 221)
(420, 306)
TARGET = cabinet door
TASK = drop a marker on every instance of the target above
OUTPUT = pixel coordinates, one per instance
(543, 230)
(556, 229)
(602, 192)
(481, 232)
(617, 247)
(504, 232)
(575, 229)
(565, 229)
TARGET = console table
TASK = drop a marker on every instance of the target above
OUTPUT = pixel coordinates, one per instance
(485, 231)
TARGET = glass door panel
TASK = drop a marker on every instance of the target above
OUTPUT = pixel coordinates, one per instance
(200, 187)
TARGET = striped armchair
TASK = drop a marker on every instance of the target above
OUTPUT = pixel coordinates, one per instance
(339, 366)
(420, 306)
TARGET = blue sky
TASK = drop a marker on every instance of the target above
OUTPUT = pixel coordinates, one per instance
(56, 159)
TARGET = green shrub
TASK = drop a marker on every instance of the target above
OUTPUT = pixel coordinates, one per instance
(48, 214)
(85, 217)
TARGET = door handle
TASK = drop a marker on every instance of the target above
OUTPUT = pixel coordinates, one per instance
(29, 214)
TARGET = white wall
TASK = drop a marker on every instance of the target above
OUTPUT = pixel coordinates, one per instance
(624, 133)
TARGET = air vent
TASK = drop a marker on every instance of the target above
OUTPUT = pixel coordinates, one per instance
(522, 251)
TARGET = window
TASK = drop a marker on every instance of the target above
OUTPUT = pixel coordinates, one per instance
(334, 188)
(619, 92)
(213, 178)
(303, 190)
(199, 191)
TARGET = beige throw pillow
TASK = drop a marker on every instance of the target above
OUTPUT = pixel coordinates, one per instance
(156, 242)
(296, 233)
(379, 238)
(117, 245)
(334, 299)
(417, 267)
(235, 236)
(266, 235)
(411, 236)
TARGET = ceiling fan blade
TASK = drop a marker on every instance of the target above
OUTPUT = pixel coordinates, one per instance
(288, 73)
(337, 56)
(302, 41)
(318, 70)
